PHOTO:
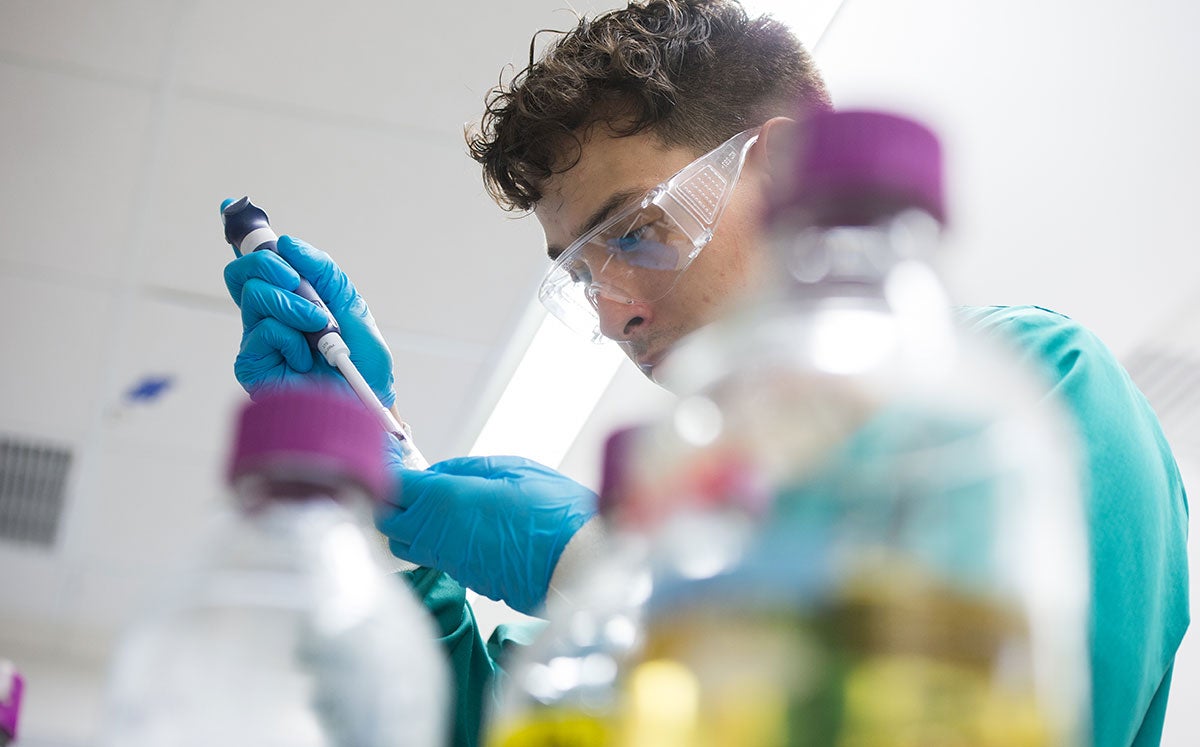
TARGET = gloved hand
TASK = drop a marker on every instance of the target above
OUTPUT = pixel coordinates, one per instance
(496, 524)
(274, 352)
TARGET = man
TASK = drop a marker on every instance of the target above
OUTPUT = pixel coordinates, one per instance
(612, 109)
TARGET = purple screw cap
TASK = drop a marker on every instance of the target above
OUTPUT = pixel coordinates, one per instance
(617, 450)
(313, 430)
(852, 167)
(12, 686)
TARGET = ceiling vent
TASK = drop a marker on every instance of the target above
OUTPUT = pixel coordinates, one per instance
(1171, 382)
(1166, 367)
(33, 479)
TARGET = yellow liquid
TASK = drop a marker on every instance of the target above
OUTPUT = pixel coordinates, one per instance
(892, 663)
(552, 727)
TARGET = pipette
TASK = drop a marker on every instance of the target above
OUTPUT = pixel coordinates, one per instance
(248, 230)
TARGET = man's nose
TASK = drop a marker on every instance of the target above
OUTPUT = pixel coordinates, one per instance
(622, 319)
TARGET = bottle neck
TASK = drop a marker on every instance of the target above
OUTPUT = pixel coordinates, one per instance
(821, 259)
(290, 486)
(843, 297)
(286, 521)
(870, 289)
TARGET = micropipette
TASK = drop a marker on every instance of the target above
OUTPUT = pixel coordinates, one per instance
(248, 230)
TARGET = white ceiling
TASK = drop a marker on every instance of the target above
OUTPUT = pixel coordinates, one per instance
(126, 123)
(1071, 133)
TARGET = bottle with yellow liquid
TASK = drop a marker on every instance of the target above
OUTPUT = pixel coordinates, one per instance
(919, 574)
(859, 526)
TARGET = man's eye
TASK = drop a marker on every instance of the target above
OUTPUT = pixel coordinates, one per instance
(631, 239)
(579, 273)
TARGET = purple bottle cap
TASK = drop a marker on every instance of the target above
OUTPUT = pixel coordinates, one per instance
(12, 689)
(316, 431)
(852, 167)
(617, 449)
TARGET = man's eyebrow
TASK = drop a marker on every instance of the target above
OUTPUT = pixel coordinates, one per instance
(617, 200)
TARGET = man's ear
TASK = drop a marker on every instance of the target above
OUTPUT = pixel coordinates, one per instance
(772, 154)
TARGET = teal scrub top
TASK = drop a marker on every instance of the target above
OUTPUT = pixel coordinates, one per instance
(1137, 517)
(475, 673)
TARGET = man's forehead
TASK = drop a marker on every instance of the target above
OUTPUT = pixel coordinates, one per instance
(613, 205)
(609, 172)
(606, 159)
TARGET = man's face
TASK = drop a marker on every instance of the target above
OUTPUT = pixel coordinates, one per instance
(613, 172)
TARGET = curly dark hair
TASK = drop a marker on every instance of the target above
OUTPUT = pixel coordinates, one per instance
(694, 72)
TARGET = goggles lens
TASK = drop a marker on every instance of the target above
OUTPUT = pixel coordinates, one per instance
(638, 254)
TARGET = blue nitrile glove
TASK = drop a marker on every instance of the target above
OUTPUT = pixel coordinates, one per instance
(274, 352)
(496, 524)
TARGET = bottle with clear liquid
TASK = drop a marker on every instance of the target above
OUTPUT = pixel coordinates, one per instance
(287, 631)
(920, 574)
(581, 683)
(562, 690)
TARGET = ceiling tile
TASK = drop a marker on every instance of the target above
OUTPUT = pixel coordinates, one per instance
(124, 37)
(406, 218)
(101, 603)
(73, 153)
(193, 350)
(143, 509)
(436, 393)
(172, 383)
(29, 586)
(363, 59)
(50, 388)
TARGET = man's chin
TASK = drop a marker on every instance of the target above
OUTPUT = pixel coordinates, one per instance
(652, 359)
(648, 364)
(639, 356)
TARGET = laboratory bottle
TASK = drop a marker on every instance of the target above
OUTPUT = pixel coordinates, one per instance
(858, 526)
(570, 687)
(286, 630)
(918, 575)
(12, 687)
(562, 689)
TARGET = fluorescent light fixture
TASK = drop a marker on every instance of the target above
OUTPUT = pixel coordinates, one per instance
(550, 396)
(561, 377)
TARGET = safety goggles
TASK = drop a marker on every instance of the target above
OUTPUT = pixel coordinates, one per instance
(638, 254)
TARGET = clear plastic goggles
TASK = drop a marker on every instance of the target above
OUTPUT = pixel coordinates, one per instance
(638, 254)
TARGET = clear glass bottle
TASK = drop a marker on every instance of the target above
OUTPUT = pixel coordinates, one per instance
(287, 630)
(562, 690)
(920, 575)
(859, 526)
(12, 687)
(577, 684)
